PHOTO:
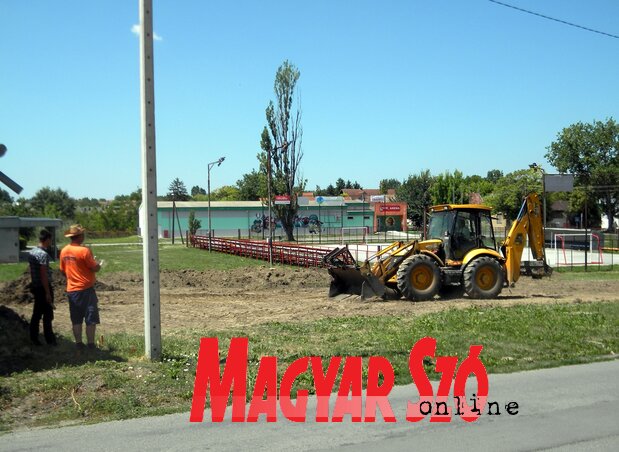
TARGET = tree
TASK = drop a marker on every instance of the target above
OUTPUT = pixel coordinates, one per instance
(510, 190)
(449, 188)
(340, 185)
(193, 223)
(253, 186)
(281, 145)
(387, 184)
(591, 153)
(494, 175)
(5, 198)
(53, 203)
(415, 192)
(197, 190)
(177, 191)
(225, 193)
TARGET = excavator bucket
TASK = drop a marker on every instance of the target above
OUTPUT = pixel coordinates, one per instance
(348, 278)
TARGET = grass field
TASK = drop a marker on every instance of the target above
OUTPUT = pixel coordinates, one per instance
(117, 383)
(128, 258)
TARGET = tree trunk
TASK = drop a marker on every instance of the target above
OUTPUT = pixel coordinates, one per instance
(286, 214)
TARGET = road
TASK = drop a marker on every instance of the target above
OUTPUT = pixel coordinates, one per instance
(566, 408)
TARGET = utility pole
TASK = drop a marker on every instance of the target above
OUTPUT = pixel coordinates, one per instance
(152, 312)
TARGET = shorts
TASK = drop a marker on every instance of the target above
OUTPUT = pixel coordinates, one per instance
(83, 306)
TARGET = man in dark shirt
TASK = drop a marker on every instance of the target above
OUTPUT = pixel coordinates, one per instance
(41, 288)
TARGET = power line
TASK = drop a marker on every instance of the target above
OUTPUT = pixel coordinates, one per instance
(556, 20)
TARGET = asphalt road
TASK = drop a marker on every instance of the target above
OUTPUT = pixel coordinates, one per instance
(566, 408)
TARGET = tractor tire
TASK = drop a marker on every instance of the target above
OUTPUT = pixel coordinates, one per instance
(419, 277)
(483, 278)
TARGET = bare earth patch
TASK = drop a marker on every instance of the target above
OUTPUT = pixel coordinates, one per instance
(239, 298)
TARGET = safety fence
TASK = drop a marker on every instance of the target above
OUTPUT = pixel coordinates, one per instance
(284, 253)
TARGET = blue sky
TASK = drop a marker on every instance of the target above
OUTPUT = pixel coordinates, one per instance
(388, 88)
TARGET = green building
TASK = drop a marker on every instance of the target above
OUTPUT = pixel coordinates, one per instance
(251, 218)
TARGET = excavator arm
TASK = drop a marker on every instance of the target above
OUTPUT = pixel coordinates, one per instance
(529, 224)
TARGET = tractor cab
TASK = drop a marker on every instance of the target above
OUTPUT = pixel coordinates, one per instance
(461, 228)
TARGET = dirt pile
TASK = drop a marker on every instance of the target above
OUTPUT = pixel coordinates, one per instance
(14, 340)
(18, 290)
(256, 278)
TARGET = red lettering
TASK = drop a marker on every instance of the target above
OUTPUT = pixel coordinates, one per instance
(324, 384)
(422, 348)
(350, 384)
(377, 396)
(207, 376)
(471, 365)
(447, 366)
(294, 413)
(266, 381)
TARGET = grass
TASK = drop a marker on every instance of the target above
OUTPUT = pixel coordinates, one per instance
(9, 272)
(117, 383)
(128, 257)
(171, 257)
(593, 272)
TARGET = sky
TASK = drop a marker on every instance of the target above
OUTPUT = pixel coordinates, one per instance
(388, 88)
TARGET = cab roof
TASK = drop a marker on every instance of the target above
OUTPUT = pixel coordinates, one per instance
(443, 207)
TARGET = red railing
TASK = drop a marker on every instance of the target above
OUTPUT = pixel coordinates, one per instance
(284, 253)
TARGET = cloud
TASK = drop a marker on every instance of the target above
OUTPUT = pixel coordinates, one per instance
(135, 29)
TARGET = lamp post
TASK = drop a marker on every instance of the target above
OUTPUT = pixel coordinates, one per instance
(210, 165)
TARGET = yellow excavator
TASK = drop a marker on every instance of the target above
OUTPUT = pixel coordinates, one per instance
(460, 250)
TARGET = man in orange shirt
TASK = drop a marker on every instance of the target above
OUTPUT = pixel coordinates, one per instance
(79, 266)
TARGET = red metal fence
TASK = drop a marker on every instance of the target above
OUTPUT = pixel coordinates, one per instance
(285, 253)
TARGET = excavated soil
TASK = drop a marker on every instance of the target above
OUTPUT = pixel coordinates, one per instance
(234, 299)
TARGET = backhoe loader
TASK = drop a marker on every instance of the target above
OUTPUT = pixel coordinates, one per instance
(459, 250)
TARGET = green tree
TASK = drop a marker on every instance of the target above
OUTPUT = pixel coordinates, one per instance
(252, 186)
(387, 184)
(53, 203)
(193, 223)
(340, 185)
(415, 191)
(494, 175)
(177, 191)
(281, 144)
(5, 197)
(591, 153)
(197, 190)
(449, 188)
(225, 193)
(6, 203)
(510, 190)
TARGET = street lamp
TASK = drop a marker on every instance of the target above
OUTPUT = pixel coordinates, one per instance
(210, 165)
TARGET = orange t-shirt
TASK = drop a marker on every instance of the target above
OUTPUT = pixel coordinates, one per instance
(78, 264)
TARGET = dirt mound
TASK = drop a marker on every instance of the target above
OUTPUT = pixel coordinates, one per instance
(256, 278)
(18, 290)
(14, 340)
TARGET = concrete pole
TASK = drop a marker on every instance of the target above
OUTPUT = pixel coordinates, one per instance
(152, 316)
(208, 188)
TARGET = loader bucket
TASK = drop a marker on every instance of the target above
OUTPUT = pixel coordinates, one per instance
(345, 280)
(348, 278)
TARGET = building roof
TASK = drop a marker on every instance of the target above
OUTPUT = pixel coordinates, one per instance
(359, 193)
(239, 204)
(29, 222)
